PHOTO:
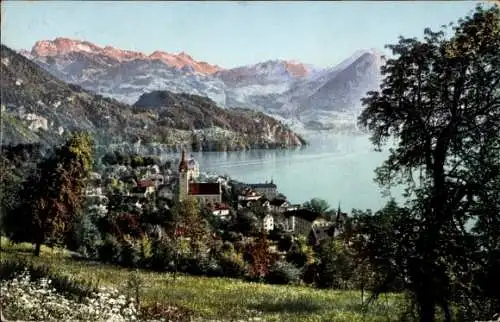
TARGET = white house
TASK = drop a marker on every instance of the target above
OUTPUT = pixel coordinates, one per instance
(268, 222)
(221, 210)
(249, 195)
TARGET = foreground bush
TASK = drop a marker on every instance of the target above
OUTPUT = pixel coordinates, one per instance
(36, 300)
(283, 273)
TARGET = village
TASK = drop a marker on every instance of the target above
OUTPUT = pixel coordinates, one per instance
(136, 186)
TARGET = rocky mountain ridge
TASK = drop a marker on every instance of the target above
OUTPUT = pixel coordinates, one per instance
(293, 91)
(38, 107)
(62, 46)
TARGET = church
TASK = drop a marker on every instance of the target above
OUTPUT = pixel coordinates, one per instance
(205, 192)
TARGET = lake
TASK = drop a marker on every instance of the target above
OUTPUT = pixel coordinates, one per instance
(336, 167)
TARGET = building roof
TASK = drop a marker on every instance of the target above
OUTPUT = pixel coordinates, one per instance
(145, 183)
(249, 193)
(277, 202)
(262, 185)
(220, 206)
(183, 164)
(196, 188)
(303, 213)
(241, 186)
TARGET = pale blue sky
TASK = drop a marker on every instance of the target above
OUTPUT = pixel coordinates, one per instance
(229, 33)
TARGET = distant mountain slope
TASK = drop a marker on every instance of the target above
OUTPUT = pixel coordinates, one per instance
(36, 106)
(289, 89)
(189, 112)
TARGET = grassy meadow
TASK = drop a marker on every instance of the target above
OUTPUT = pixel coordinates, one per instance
(221, 299)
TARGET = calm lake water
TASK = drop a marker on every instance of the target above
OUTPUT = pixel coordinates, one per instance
(337, 168)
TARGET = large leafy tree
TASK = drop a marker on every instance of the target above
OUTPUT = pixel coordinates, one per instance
(52, 195)
(317, 205)
(440, 102)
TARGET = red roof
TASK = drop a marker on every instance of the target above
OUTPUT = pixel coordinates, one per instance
(204, 188)
(145, 183)
(220, 206)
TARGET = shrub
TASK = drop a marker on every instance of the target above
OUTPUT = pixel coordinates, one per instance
(86, 236)
(159, 259)
(146, 247)
(137, 161)
(110, 250)
(233, 265)
(23, 298)
(336, 265)
(201, 266)
(282, 272)
(212, 267)
(300, 254)
(131, 252)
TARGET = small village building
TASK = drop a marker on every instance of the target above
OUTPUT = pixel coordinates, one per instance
(99, 209)
(268, 222)
(267, 189)
(249, 194)
(95, 176)
(157, 179)
(194, 167)
(91, 191)
(301, 221)
(205, 192)
(320, 233)
(143, 189)
(221, 210)
(94, 185)
(278, 205)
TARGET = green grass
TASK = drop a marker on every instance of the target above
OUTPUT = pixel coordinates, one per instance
(221, 298)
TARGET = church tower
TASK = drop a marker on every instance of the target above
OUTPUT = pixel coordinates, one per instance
(183, 177)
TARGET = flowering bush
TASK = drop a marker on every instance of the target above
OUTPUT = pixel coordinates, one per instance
(36, 300)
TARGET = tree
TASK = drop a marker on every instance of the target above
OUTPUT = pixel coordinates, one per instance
(53, 194)
(317, 205)
(188, 230)
(259, 257)
(246, 222)
(440, 102)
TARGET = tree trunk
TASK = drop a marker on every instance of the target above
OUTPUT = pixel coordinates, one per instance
(427, 309)
(38, 245)
(446, 311)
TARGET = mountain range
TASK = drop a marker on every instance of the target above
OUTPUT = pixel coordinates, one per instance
(296, 93)
(38, 107)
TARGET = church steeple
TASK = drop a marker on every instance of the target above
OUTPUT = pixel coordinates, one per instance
(183, 166)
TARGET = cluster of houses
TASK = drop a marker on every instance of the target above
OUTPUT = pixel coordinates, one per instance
(170, 184)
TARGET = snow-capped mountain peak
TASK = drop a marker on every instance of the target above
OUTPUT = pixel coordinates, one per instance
(285, 88)
(62, 46)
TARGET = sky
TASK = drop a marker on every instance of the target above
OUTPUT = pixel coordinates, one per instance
(229, 34)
